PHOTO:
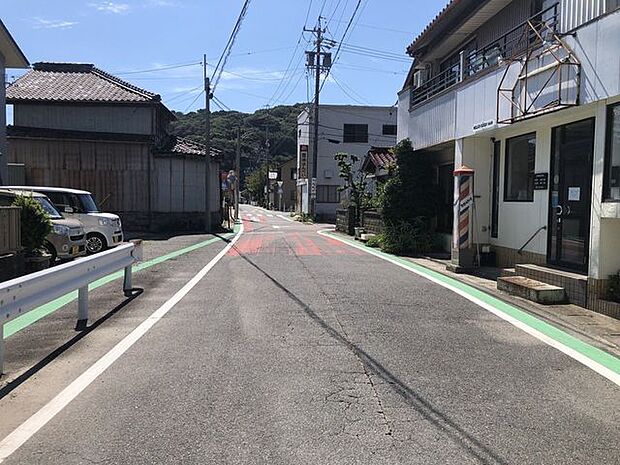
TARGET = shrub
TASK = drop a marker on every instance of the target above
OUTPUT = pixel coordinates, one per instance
(401, 237)
(613, 287)
(35, 223)
(375, 241)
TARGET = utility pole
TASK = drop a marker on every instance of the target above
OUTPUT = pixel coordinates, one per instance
(314, 61)
(207, 145)
(238, 169)
(267, 163)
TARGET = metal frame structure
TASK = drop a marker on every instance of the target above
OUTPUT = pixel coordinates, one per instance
(540, 38)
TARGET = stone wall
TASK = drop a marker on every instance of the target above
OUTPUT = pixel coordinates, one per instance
(345, 221)
(372, 222)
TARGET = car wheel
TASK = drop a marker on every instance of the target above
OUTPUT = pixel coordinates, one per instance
(95, 243)
(49, 248)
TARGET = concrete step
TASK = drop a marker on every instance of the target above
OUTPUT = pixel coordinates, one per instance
(531, 289)
(508, 272)
(575, 284)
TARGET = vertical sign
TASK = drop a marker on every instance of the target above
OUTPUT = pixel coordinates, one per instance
(303, 162)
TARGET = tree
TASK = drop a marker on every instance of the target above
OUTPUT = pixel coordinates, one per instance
(410, 201)
(255, 184)
(354, 182)
(412, 192)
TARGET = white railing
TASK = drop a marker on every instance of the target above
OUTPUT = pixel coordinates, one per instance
(22, 295)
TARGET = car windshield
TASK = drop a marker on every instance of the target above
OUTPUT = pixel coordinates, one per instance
(49, 208)
(88, 203)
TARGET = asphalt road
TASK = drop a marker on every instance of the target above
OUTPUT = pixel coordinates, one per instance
(295, 349)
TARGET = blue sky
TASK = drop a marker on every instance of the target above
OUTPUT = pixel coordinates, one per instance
(129, 37)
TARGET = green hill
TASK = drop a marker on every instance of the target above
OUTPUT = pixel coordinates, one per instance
(280, 123)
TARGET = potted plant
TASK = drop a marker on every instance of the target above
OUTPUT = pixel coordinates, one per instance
(35, 226)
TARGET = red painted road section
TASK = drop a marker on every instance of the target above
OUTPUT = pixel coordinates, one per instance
(293, 239)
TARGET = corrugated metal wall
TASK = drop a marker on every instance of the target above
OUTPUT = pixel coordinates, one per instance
(574, 13)
(510, 17)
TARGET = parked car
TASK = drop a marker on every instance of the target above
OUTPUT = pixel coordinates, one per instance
(67, 240)
(103, 230)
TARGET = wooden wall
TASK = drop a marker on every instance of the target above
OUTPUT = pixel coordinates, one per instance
(118, 172)
(123, 119)
(114, 171)
(10, 229)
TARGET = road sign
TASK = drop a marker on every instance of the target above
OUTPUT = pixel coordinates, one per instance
(313, 189)
(279, 183)
(273, 175)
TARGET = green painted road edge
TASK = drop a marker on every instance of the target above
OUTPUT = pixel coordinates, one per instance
(35, 315)
(605, 359)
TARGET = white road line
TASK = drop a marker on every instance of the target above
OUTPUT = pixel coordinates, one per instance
(26, 430)
(285, 218)
(275, 226)
(270, 216)
(592, 364)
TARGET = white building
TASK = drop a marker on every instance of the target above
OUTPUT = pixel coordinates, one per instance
(527, 93)
(342, 128)
(10, 57)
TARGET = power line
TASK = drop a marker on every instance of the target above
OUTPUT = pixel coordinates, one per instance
(357, 6)
(360, 100)
(193, 101)
(219, 68)
(160, 68)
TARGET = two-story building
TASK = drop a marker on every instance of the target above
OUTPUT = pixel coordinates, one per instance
(527, 94)
(10, 57)
(77, 126)
(342, 128)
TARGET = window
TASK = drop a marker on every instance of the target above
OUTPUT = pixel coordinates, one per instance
(520, 163)
(495, 190)
(612, 154)
(356, 133)
(389, 129)
(293, 174)
(327, 194)
(612, 5)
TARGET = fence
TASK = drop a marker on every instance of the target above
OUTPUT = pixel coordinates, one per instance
(345, 221)
(10, 230)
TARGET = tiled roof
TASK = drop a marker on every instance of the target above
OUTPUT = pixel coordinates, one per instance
(74, 82)
(181, 146)
(440, 16)
(379, 158)
(382, 157)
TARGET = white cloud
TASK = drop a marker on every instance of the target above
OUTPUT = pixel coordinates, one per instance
(111, 7)
(41, 23)
(159, 3)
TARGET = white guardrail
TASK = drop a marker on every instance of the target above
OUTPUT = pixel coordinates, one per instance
(22, 295)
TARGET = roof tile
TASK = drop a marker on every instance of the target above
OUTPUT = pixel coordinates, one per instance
(74, 82)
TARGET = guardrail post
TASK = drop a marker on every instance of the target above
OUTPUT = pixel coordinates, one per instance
(1, 348)
(127, 286)
(82, 308)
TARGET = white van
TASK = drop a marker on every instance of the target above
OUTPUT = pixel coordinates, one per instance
(103, 230)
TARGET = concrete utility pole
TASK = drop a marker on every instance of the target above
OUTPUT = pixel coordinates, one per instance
(267, 162)
(314, 61)
(238, 168)
(207, 145)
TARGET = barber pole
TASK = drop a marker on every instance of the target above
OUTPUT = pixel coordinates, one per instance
(465, 176)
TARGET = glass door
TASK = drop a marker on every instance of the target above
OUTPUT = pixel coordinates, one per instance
(570, 195)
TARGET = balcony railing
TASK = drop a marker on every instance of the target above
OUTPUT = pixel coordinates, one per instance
(512, 44)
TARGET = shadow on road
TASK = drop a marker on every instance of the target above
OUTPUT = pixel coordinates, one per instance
(11, 386)
(465, 440)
